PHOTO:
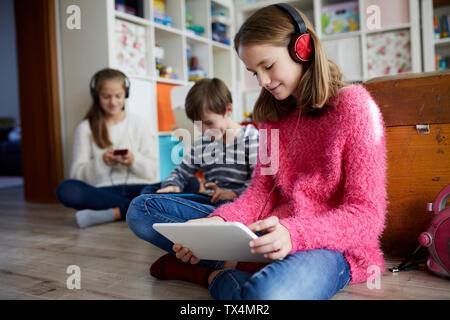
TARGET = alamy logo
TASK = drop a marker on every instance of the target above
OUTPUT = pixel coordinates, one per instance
(373, 21)
(374, 280)
(74, 280)
(211, 149)
(74, 20)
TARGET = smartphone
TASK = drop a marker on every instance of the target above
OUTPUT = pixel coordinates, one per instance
(120, 152)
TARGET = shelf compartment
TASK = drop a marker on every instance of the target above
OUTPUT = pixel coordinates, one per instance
(136, 8)
(201, 51)
(346, 53)
(220, 32)
(222, 65)
(198, 10)
(173, 15)
(172, 44)
(392, 13)
(340, 17)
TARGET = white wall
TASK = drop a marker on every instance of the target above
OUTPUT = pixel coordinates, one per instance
(9, 87)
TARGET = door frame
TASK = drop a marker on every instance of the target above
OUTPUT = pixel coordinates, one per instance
(42, 159)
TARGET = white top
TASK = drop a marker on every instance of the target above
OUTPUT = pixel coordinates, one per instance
(133, 134)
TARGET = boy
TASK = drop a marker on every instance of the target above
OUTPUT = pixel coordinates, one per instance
(226, 152)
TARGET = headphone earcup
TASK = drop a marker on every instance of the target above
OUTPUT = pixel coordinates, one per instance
(301, 48)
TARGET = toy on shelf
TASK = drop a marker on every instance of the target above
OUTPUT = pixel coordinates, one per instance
(248, 116)
(159, 56)
(220, 21)
(191, 26)
(248, 119)
(442, 63)
(162, 70)
(159, 13)
(168, 72)
(339, 18)
(196, 72)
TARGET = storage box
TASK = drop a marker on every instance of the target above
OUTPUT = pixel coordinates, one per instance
(418, 162)
(339, 18)
(170, 150)
(388, 53)
(131, 48)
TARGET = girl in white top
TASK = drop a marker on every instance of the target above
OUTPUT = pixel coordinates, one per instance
(113, 155)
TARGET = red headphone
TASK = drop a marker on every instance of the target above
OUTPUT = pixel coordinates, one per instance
(300, 46)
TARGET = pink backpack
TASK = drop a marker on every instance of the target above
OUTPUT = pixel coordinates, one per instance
(436, 238)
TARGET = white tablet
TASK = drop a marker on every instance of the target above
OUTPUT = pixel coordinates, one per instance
(223, 241)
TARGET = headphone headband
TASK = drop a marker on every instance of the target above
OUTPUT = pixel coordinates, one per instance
(301, 46)
(299, 24)
(93, 81)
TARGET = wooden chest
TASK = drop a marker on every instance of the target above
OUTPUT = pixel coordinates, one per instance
(418, 157)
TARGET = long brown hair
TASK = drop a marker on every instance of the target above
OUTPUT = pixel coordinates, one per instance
(321, 78)
(96, 115)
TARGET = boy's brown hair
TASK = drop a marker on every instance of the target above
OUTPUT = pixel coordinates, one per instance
(207, 94)
(320, 81)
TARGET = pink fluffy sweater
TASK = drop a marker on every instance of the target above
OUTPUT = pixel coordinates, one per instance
(331, 188)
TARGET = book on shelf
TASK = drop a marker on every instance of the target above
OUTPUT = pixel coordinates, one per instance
(441, 26)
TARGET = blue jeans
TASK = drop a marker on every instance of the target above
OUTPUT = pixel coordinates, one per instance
(79, 195)
(314, 274)
(192, 185)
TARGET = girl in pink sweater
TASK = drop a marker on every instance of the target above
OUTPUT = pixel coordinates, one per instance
(322, 209)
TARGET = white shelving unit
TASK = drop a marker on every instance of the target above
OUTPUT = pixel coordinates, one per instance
(431, 45)
(348, 50)
(97, 45)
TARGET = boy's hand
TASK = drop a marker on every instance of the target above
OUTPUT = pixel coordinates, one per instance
(220, 194)
(183, 253)
(168, 189)
(275, 243)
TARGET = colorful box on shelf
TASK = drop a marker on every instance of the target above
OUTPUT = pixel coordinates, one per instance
(340, 18)
(159, 13)
(219, 33)
(162, 18)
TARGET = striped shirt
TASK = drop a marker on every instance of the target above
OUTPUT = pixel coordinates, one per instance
(229, 166)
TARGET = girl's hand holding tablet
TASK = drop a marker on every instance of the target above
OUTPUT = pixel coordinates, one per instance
(183, 253)
(276, 242)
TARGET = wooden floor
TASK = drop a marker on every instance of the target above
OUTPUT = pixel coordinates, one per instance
(38, 242)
